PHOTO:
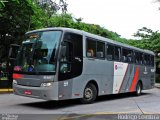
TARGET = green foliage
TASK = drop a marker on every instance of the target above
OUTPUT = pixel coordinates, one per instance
(66, 20)
(20, 16)
(144, 33)
(15, 17)
(2, 4)
(14, 21)
(149, 40)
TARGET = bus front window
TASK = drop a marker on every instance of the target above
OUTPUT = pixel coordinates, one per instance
(38, 52)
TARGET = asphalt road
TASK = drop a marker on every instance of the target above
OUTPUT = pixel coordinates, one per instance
(26, 108)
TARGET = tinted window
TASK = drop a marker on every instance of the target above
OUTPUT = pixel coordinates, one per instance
(138, 58)
(152, 60)
(110, 52)
(71, 61)
(95, 49)
(91, 48)
(127, 55)
(117, 53)
(146, 60)
(100, 50)
(141, 58)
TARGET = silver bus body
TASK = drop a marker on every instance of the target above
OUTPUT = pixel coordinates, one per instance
(108, 76)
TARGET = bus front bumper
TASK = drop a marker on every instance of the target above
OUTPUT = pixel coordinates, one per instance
(46, 93)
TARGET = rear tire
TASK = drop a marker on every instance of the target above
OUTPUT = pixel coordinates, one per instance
(89, 94)
(138, 89)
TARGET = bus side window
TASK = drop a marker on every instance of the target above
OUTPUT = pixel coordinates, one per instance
(124, 55)
(127, 55)
(90, 53)
(148, 60)
(100, 53)
(110, 52)
(130, 56)
(140, 58)
(152, 60)
(117, 53)
(91, 48)
(145, 59)
(137, 60)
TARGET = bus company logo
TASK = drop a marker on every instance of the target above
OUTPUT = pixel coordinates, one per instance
(118, 66)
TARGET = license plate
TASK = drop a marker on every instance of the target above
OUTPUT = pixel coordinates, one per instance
(28, 92)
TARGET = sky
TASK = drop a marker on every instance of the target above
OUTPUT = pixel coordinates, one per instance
(124, 17)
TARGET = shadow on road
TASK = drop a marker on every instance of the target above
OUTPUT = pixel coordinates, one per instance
(52, 104)
(70, 103)
(118, 96)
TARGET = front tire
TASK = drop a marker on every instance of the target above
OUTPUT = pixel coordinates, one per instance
(90, 94)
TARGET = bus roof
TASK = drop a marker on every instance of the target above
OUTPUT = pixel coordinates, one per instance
(95, 37)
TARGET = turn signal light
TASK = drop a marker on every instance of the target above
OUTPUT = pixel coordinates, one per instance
(17, 76)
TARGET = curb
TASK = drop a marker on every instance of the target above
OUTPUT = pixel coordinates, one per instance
(6, 90)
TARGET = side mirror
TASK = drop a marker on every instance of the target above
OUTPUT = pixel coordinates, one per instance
(13, 51)
(66, 51)
(63, 50)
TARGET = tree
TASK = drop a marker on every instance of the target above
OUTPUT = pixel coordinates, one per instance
(15, 18)
(149, 39)
(67, 20)
(144, 33)
(51, 7)
(20, 16)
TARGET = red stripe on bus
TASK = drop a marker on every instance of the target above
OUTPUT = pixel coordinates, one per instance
(134, 81)
(123, 79)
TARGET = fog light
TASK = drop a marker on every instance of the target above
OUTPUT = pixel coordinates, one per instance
(15, 82)
(48, 84)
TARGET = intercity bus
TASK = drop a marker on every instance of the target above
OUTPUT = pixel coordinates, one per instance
(64, 63)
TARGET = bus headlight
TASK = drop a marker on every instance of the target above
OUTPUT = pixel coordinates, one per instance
(47, 84)
(15, 82)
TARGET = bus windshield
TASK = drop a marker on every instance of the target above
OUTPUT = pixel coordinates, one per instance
(38, 52)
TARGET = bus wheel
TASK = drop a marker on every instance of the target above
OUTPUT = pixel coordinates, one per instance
(90, 94)
(138, 89)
